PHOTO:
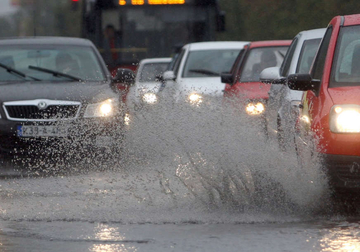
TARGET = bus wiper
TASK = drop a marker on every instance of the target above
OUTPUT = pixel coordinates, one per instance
(55, 73)
(204, 71)
(16, 72)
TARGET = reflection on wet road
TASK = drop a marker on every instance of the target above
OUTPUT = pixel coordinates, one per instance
(114, 237)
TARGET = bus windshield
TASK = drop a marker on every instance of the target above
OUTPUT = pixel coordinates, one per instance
(127, 34)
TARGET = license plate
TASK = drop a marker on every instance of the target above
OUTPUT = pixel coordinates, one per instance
(42, 131)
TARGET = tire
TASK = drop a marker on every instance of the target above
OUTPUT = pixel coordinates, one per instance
(345, 201)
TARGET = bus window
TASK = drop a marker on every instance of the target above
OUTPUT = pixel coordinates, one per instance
(150, 29)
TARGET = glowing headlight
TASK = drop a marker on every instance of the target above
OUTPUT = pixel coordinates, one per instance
(345, 119)
(255, 108)
(127, 119)
(195, 98)
(150, 98)
(101, 109)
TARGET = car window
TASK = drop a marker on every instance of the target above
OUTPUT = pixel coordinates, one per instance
(346, 67)
(209, 63)
(319, 62)
(151, 70)
(178, 62)
(285, 66)
(307, 55)
(237, 62)
(78, 61)
(260, 58)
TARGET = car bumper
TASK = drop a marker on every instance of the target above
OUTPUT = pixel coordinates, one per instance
(343, 171)
(84, 134)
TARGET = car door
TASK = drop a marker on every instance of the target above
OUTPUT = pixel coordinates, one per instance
(168, 88)
(277, 91)
(311, 102)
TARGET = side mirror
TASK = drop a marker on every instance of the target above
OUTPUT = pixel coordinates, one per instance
(227, 78)
(124, 76)
(302, 82)
(169, 76)
(271, 75)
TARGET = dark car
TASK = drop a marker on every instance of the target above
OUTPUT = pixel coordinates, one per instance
(56, 93)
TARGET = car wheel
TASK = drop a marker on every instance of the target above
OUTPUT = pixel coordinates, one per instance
(345, 202)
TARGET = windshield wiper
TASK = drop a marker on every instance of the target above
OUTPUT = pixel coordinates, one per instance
(55, 73)
(281, 54)
(204, 71)
(16, 72)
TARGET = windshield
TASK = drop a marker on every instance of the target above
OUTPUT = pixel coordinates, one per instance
(260, 58)
(151, 70)
(209, 63)
(77, 61)
(159, 29)
(307, 55)
(346, 67)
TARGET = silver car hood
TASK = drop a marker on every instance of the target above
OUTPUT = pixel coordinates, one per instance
(210, 86)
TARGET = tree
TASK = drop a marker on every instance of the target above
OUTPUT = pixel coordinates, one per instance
(280, 19)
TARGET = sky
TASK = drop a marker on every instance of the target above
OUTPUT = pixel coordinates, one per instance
(6, 7)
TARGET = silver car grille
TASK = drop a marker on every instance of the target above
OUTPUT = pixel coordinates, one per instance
(41, 110)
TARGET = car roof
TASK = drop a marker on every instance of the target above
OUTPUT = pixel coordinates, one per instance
(352, 20)
(302, 37)
(155, 60)
(216, 45)
(312, 34)
(266, 43)
(46, 41)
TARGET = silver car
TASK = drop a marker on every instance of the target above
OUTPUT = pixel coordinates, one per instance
(144, 91)
(283, 102)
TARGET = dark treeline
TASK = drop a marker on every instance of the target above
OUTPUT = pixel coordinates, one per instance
(280, 19)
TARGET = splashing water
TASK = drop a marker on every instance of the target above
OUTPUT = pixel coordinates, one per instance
(180, 163)
(225, 160)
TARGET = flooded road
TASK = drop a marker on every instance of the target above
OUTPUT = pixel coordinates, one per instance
(329, 235)
(187, 181)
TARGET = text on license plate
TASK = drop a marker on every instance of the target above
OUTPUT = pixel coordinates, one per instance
(41, 131)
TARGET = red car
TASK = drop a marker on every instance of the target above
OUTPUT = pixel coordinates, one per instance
(329, 119)
(243, 87)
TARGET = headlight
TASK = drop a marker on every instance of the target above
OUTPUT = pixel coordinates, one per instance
(195, 98)
(345, 118)
(101, 109)
(127, 119)
(253, 108)
(150, 98)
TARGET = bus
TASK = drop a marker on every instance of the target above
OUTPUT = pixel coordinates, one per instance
(127, 31)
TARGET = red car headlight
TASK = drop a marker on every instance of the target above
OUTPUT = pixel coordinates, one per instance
(345, 118)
